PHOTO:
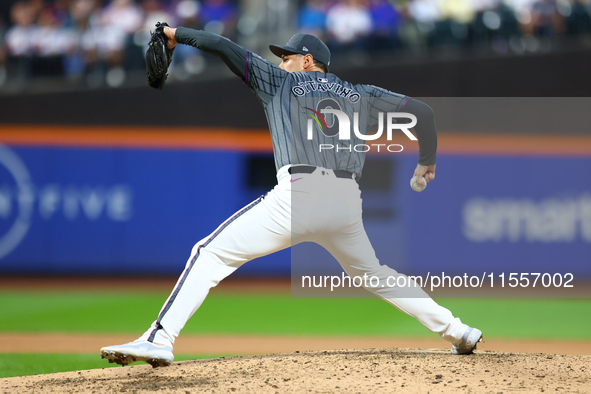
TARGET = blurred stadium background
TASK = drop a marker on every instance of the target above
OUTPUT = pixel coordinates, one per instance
(74, 44)
(102, 176)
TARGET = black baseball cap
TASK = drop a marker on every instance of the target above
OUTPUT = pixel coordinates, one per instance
(304, 44)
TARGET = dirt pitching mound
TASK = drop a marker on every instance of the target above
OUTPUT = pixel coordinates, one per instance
(355, 371)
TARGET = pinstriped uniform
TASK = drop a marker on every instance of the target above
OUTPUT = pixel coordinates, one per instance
(286, 97)
(318, 206)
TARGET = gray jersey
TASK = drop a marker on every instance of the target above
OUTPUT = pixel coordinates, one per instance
(293, 101)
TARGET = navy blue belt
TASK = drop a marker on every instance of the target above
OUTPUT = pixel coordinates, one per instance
(304, 169)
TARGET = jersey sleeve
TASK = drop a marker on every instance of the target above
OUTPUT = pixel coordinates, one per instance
(426, 130)
(262, 76)
(382, 100)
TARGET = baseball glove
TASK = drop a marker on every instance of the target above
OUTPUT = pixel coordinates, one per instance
(158, 57)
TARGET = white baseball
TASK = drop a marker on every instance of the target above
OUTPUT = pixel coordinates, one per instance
(417, 187)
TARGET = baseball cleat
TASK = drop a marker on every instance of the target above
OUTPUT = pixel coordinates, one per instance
(151, 353)
(469, 342)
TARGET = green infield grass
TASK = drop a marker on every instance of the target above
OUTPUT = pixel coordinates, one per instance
(266, 314)
(19, 364)
(274, 314)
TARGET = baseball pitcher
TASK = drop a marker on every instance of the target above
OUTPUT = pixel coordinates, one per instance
(316, 199)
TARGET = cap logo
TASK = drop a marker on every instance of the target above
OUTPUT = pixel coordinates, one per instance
(305, 49)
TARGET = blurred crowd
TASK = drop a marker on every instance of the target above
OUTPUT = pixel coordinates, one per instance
(100, 41)
(501, 25)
